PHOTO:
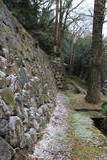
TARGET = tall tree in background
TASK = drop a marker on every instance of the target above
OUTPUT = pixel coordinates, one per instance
(56, 28)
(62, 12)
(63, 19)
(93, 93)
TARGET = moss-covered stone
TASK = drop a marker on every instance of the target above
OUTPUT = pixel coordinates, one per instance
(8, 96)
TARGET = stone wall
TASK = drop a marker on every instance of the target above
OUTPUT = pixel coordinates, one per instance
(59, 72)
(27, 89)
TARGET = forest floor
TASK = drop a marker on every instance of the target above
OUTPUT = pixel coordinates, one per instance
(70, 135)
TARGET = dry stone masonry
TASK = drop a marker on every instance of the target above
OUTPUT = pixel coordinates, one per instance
(59, 72)
(27, 89)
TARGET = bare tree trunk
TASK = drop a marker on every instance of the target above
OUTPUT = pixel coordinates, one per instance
(56, 29)
(93, 93)
(72, 51)
(60, 29)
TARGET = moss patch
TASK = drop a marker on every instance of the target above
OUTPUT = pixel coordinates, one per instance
(87, 141)
(8, 96)
(79, 82)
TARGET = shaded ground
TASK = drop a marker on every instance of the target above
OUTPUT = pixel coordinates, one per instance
(71, 135)
(78, 103)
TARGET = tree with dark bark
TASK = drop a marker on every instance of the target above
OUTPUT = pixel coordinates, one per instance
(93, 93)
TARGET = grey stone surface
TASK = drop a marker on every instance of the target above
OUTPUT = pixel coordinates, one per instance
(4, 127)
(13, 82)
(2, 80)
(33, 134)
(5, 110)
(6, 151)
(22, 76)
(16, 131)
(3, 63)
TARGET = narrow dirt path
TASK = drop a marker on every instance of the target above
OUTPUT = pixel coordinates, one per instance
(52, 145)
(70, 135)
